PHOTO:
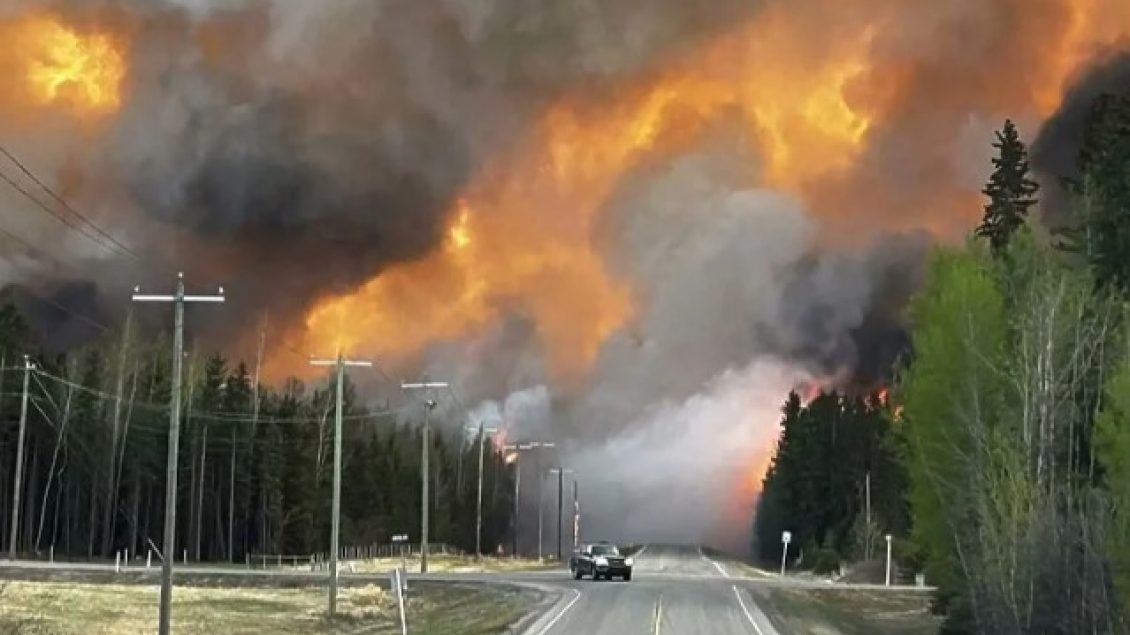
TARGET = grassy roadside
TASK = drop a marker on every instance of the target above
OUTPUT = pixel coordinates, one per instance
(848, 611)
(65, 608)
(453, 564)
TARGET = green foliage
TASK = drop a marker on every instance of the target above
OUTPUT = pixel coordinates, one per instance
(1011, 190)
(998, 437)
(1112, 448)
(825, 561)
(1102, 235)
(259, 468)
(958, 338)
(816, 487)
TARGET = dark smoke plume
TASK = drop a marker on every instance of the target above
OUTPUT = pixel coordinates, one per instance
(1055, 152)
(288, 150)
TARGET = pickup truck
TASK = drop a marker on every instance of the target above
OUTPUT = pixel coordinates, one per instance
(600, 560)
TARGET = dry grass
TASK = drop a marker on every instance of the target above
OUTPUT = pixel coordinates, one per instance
(58, 608)
(850, 612)
(454, 564)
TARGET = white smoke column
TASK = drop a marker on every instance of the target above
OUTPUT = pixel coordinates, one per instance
(523, 415)
(671, 475)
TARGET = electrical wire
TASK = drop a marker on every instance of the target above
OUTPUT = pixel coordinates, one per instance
(57, 216)
(38, 253)
(230, 417)
(58, 199)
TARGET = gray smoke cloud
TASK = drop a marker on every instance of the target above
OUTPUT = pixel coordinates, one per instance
(311, 144)
(1055, 152)
(290, 150)
(739, 304)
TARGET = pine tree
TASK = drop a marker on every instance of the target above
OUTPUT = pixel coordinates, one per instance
(1010, 190)
(1102, 235)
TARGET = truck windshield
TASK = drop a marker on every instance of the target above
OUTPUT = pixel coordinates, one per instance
(605, 550)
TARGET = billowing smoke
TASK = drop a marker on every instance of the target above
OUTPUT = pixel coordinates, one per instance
(738, 307)
(629, 226)
(1055, 153)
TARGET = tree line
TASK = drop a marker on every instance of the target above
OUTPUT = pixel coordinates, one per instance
(1006, 450)
(835, 481)
(255, 463)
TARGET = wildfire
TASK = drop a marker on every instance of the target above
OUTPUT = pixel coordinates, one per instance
(62, 65)
(521, 236)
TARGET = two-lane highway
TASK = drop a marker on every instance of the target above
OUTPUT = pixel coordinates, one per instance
(673, 590)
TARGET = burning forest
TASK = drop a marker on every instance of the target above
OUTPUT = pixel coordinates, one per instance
(632, 227)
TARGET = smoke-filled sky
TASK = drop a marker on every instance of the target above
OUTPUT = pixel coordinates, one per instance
(627, 226)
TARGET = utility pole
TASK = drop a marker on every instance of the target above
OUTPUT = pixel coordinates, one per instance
(263, 533)
(479, 501)
(867, 505)
(340, 363)
(518, 448)
(560, 472)
(888, 577)
(168, 549)
(12, 537)
(541, 490)
(429, 405)
(576, 516)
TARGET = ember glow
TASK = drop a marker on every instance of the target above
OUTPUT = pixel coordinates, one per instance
(391, 187)
(60, 65)
(523, 232)
(522, 235)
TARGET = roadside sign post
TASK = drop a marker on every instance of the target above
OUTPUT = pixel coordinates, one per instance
(402, 540)
(397, 580)
(888, 560)
(786, 538)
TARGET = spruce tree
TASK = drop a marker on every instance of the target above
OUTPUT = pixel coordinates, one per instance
(1102, 235)
(1010, 190)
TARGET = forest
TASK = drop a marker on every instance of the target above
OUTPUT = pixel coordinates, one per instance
(255, 462)
(1001, 464)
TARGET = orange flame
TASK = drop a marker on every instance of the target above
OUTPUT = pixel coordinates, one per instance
(522, 235)
(61, 65)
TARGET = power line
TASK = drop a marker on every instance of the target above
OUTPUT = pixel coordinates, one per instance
(57, 216)
(47, 301)
(231, 417)
(66, 205)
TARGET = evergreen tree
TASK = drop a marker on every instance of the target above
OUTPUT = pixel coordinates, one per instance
(1010, 189)
(815, 487)
(1102, 235)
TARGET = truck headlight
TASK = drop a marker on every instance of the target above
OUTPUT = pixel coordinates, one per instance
(602, 562)
(628, 562)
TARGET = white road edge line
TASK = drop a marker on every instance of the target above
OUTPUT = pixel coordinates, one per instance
(640, 552)
(561, 613)
(745, 610)
(658, 614)
(716, 565)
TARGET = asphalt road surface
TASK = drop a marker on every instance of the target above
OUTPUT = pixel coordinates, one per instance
(673, 590)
